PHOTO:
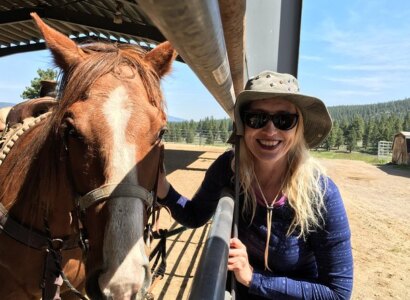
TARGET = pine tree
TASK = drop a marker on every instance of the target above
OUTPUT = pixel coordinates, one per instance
(351, 139)
(406, 122)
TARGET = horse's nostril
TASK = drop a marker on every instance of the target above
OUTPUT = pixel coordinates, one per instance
(92, 287)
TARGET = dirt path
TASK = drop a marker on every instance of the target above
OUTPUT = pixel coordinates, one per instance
(377, 200)
(378, 204)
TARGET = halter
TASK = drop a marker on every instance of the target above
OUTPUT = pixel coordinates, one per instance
(114, 190)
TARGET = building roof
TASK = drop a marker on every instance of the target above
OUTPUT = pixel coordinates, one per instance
(116, 20)
(406, 134)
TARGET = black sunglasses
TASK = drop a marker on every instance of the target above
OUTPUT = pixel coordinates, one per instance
(281, 120)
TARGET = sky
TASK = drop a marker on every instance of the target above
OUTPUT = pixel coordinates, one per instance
(351, 52)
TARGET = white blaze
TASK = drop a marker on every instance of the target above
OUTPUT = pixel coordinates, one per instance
(123, 251)
(123, 153)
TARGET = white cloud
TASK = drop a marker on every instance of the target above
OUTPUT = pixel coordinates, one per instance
(311, 58)
(369, 45)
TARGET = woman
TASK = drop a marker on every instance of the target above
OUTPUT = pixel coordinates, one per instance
(294, 236)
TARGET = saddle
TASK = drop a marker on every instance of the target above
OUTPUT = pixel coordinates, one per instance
(12, 115)
(21, 117)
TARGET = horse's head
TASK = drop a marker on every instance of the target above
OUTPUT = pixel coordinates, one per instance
(111, 118)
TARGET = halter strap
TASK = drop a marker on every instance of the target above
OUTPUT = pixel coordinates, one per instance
(114, 190)
(29, 236)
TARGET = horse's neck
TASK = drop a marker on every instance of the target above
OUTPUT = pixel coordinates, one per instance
(37, 189)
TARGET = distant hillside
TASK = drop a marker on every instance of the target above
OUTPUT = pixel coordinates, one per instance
(174, 119)
(3, 104)
(368, 111)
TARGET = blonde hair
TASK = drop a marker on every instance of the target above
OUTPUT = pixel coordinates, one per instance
(304, 186)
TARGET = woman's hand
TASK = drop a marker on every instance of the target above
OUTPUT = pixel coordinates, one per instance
(163, 184)
(238, 262)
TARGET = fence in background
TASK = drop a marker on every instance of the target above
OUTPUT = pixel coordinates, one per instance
(198, 137)
(384, 150)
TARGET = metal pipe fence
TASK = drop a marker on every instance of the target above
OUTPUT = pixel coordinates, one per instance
(211, 273)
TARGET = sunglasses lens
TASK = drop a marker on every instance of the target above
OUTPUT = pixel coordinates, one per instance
(285, 121)
(282, 121)
(256, 120)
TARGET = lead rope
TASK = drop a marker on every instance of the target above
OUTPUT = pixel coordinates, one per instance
(53, 275)
(72, 288)
(159, 252)
(52, 280)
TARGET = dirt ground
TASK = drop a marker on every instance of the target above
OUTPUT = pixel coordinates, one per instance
(377, 201)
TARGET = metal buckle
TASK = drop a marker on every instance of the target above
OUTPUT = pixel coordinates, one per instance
(56, 244)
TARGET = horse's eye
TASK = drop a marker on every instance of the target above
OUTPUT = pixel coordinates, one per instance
(71, 131)
(162, 132)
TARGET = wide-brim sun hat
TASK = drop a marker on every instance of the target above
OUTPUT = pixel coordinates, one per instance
(317, 122)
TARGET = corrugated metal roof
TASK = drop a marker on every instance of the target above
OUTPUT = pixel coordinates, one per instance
(116, 20)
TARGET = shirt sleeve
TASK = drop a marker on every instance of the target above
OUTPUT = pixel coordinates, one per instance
(196, 212)
(333, 253)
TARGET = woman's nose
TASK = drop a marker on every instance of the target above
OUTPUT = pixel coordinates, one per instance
(270, 126)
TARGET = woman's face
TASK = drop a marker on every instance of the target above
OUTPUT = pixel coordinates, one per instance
(270, 144)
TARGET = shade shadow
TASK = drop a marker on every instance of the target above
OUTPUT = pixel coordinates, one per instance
(395, 170)
(180, 159)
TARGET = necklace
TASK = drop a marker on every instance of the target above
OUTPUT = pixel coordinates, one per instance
(269, 210)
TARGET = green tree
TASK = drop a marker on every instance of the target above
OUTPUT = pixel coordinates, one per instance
(368, 131)
(351, 139)
(190, 136)
(406, 122)
(33, 91)
(339, 139)
(358, 125)
(223, 131)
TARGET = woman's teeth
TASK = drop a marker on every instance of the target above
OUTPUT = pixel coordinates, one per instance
(269, 143)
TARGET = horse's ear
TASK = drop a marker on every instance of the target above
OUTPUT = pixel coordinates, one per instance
(161, 58)
(65, 51)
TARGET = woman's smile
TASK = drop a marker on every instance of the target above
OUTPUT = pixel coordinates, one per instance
(268, 144)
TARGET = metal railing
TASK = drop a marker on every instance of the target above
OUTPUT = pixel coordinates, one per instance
(211, 273)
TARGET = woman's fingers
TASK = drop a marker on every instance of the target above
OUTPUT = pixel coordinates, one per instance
(238, 262)
(236, 243)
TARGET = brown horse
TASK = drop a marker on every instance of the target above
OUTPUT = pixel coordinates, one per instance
(87, 167)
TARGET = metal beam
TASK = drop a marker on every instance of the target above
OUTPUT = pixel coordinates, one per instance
(289, 37)
(195, 29)
(21, 49)
(272, 35)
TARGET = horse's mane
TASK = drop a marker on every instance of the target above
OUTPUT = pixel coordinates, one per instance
(38, 164)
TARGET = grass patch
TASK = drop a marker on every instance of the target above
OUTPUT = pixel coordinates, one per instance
(368, 158)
